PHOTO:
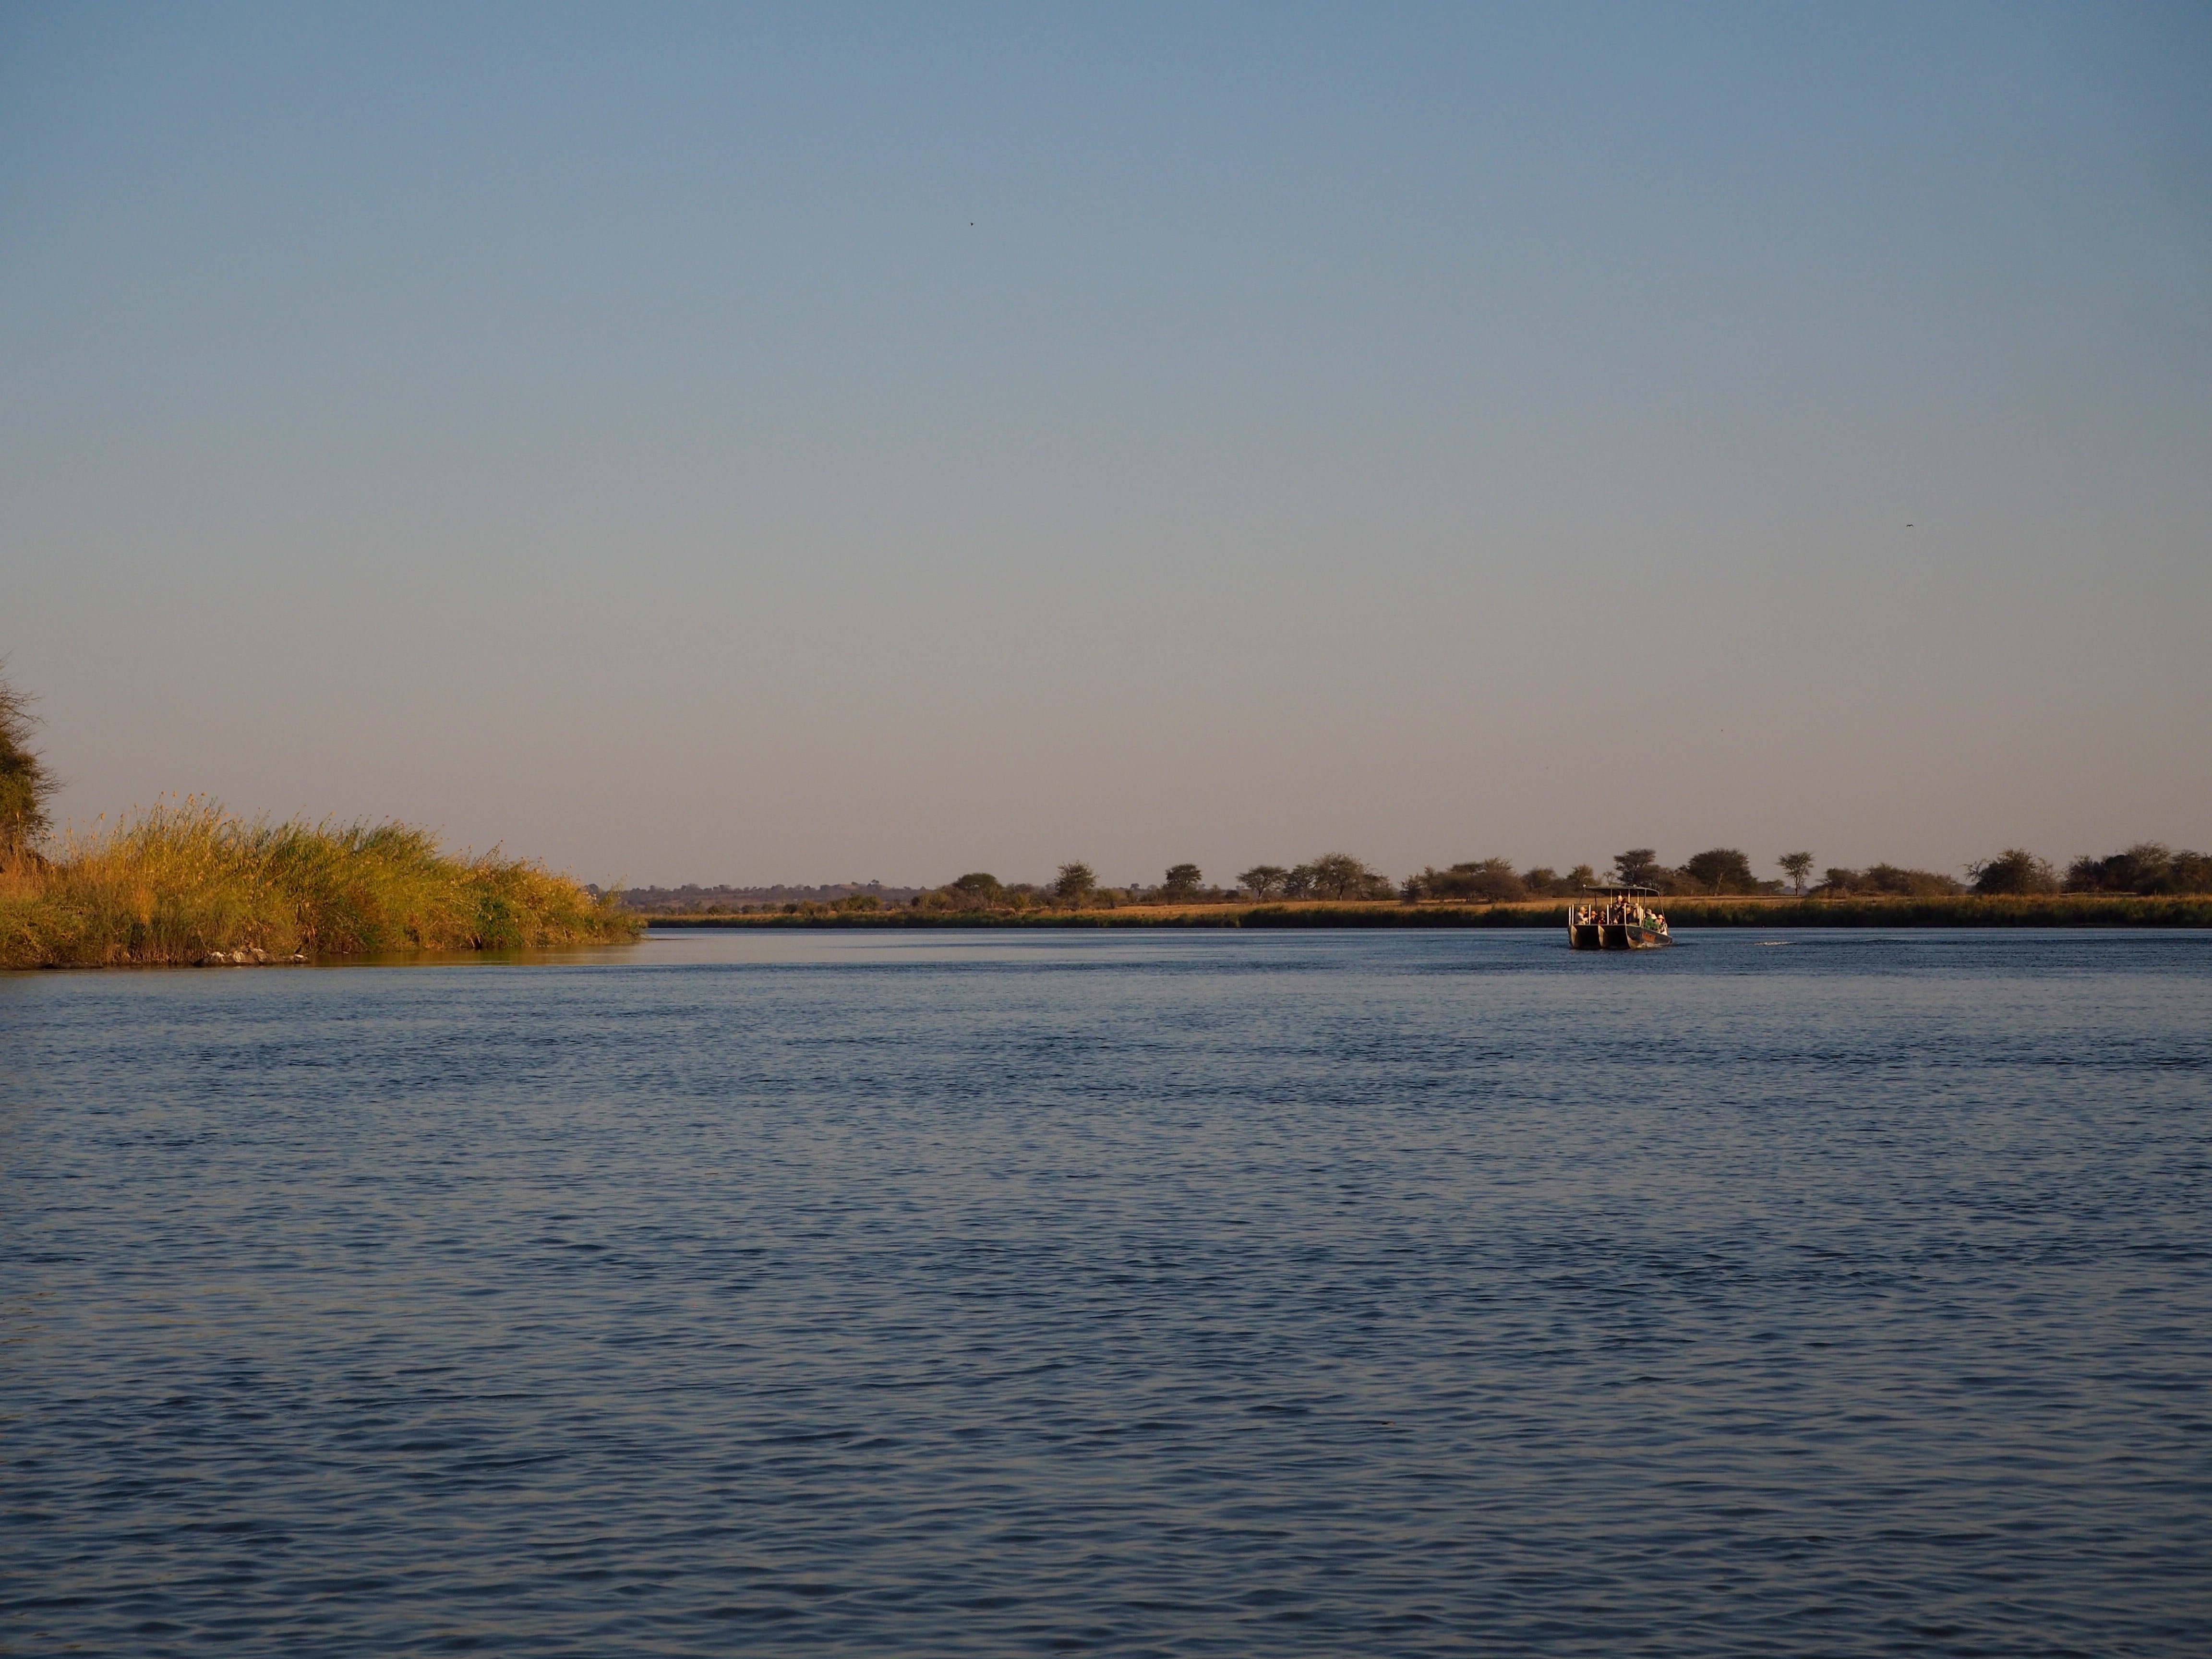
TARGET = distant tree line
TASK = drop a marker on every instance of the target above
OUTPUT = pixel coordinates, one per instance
(691, 899)
(1493, 881)
(2147, 867)
(1331, 876)
(1718, 871)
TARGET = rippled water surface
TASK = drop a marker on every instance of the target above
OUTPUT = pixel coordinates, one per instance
(1242, 1294)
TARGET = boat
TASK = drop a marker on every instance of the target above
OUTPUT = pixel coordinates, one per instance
(1617, 917)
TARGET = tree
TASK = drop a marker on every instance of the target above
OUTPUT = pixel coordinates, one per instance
(1263, 881)
(1180, 885)
(1638, 866)
(1299, 881)
(1486, 881)
(1341, 876)
(2016, 870)
(1721, 870)
(976, 890)
(1074, 883)
(1796, 866)
(25, 785)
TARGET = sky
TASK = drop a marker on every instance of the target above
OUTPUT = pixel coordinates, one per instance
(823, 443)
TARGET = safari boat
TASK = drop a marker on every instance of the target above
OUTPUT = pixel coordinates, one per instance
(1617, 918)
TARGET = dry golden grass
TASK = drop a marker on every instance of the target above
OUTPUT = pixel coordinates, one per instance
(186, 882)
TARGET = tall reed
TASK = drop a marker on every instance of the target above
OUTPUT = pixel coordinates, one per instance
(187, 882)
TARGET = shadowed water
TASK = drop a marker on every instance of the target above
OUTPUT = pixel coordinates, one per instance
(1232, 1294)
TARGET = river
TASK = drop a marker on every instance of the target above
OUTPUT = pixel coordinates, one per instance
(1369, 1293)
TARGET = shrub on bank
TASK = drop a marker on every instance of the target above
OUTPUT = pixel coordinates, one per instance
(2013, 873)
(2149, 867)
(186, 882)
(25, 785)
(1889, 880)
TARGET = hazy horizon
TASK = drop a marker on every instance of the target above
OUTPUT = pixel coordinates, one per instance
(725, 445)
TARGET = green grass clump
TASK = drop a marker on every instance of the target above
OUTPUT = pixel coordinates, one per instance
(186, 882)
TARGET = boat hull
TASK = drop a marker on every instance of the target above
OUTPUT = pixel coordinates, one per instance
(1615, 936)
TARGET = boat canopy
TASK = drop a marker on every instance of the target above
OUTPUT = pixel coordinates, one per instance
(1618, 887)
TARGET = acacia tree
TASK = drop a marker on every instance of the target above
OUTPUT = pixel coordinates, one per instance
(1263, 881)
(1341, 876)
(1074, 883)
(1638, 866)
(25, 785)
(1179, 885)
(1796, 866)
(1721, 870)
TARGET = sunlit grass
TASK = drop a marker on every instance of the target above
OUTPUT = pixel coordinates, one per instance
(186, 882)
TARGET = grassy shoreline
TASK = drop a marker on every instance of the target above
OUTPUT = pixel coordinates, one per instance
(188, 885)
(2063, 910)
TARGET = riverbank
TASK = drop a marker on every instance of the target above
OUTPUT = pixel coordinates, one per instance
(189, 885)
(2064, 910)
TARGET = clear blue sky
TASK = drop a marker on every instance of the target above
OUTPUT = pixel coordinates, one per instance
(725, 444)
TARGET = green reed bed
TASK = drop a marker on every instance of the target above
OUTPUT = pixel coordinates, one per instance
(188, 883)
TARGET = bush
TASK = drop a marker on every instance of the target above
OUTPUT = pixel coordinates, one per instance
(1544, 882)
(1889, 879)
(25, 785)
(1485, 881)
(2146, 867)
(2014, 870)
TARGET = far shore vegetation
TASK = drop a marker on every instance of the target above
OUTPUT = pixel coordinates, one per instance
(2146, 885)
(184, 882)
